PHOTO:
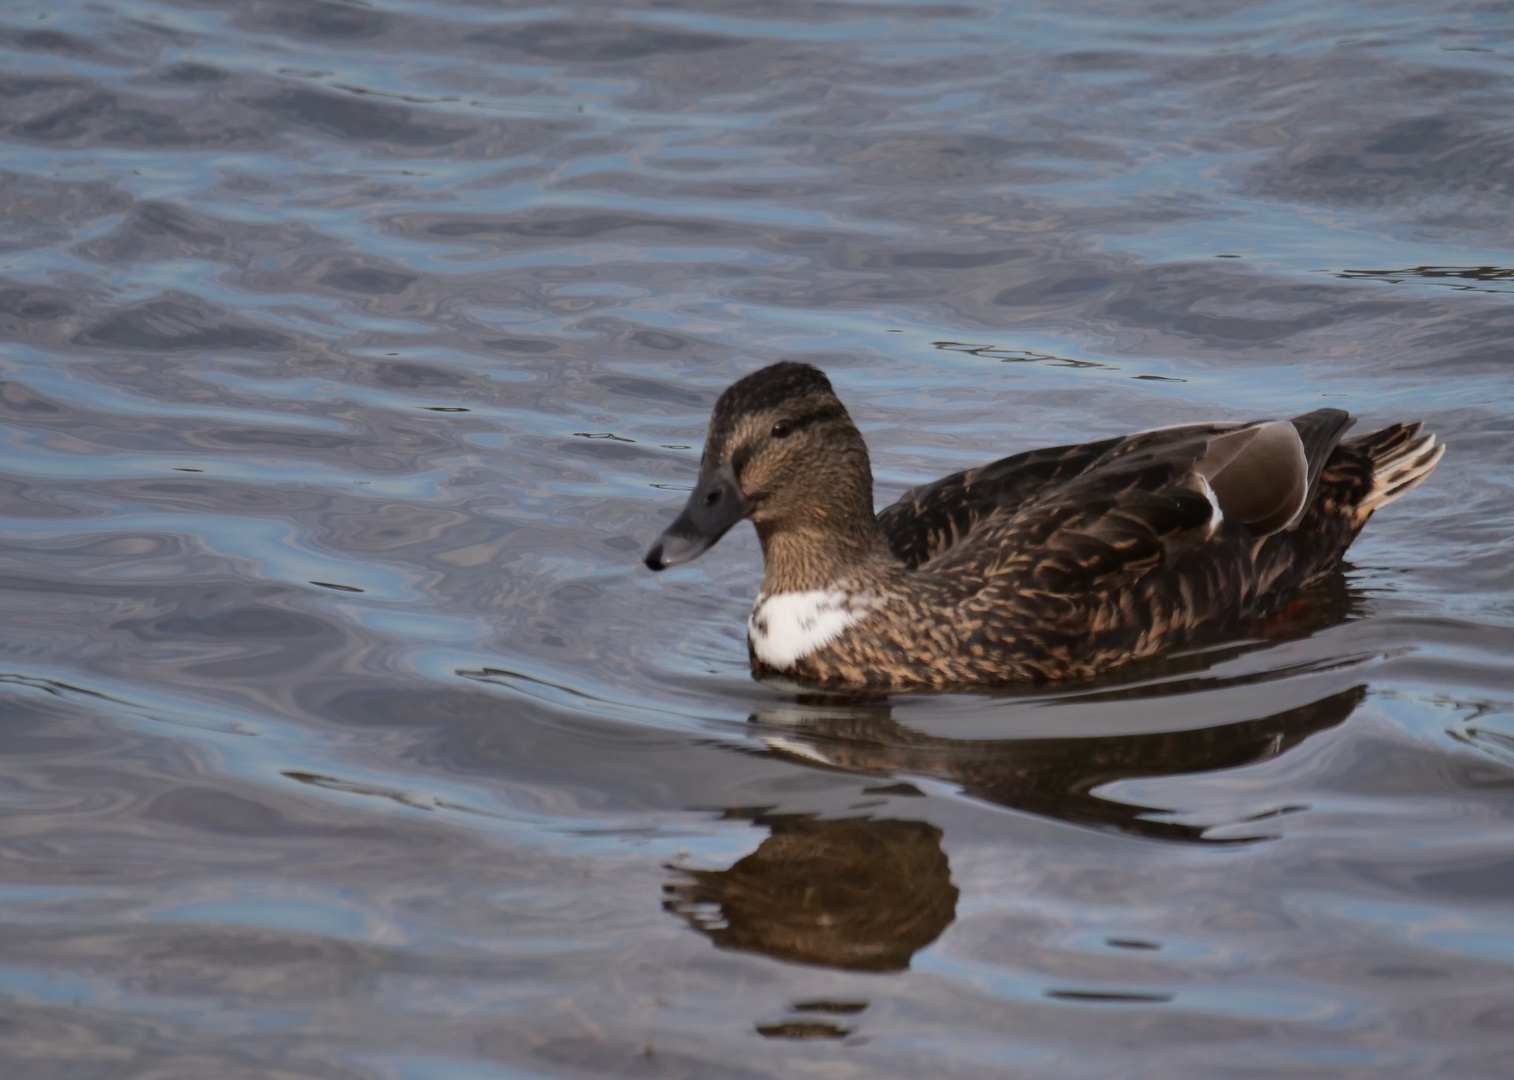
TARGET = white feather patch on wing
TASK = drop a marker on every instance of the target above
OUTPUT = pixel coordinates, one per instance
(785, 626)
(1216, 515)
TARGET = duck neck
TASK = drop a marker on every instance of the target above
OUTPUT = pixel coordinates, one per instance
(822, 547)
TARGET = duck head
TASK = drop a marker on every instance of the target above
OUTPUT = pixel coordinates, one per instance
(782, 451)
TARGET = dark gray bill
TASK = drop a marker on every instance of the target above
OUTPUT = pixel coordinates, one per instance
(712, 509)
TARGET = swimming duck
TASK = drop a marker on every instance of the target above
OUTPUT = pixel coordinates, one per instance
(1053, 564)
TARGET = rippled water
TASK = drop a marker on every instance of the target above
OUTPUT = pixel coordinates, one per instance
(354, 352)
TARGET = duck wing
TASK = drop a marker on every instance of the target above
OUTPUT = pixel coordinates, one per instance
(930, 519)
(1145, 501)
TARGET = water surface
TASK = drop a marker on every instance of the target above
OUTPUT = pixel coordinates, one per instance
(353, 353)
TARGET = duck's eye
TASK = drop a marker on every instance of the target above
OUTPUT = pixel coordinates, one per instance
(783, 429)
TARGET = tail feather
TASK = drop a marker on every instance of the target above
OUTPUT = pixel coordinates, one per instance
(1402, 455)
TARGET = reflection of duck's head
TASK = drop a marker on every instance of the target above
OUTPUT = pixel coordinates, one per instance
(853, 893)
(1054, 776)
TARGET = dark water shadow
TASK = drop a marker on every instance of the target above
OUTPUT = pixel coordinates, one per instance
(1052, 777)
(1463, 278)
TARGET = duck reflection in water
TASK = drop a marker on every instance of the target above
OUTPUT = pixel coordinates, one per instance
(867, 894)
(1051, 777)
(852, 893)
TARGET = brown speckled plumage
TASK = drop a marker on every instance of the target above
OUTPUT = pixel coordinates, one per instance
(1054, 564)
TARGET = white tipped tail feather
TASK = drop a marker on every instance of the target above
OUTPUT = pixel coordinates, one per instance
(1401, 467)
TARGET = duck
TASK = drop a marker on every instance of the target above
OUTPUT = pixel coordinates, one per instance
(1049, 565)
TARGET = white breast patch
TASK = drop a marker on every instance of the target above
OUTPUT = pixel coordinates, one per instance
(786, 626)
